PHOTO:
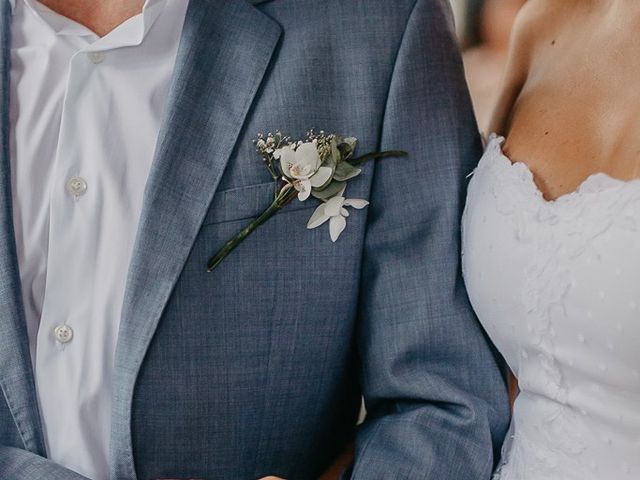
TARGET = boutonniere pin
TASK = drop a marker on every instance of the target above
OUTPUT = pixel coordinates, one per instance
(319, 166)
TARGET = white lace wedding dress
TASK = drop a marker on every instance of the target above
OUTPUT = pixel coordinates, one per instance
(557, 287)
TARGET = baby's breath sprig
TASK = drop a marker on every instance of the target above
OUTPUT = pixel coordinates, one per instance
(266, 146)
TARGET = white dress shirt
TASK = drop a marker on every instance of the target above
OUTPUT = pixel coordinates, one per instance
(85, 116)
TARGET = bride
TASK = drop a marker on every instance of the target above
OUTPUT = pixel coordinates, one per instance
(551, 238)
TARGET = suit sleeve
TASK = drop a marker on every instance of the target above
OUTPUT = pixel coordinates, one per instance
(16, 464)
(433, 387)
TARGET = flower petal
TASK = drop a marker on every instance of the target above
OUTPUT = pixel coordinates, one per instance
(355, 203)
(287, 158)
(333, 206)
(328, 192)
(304, 189)
(322, 176)
(344, 212)
(336, 227)
(318, 217)
(307, 156)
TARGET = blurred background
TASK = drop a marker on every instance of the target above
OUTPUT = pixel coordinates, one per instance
(484, 28)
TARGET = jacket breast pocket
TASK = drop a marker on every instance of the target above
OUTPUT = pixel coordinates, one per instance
(245, 203)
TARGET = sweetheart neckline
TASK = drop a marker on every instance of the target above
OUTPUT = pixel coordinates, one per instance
(495, 143)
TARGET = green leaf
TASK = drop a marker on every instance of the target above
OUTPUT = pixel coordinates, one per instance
(347, 147)
(332, 162)
(352, 142)
(329, 192)
(345, 171)
(335, 157)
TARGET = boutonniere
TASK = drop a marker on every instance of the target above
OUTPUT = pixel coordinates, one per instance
(319, 166)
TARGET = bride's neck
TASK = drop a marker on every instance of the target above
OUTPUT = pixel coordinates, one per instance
(100, 17)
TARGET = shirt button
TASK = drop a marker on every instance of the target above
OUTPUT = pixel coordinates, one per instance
(77, 186)
(96, 57)
(63, 333)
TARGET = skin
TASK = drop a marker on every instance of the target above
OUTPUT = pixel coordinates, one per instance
(102, 17)
(484, 63)
(569, 107)
(497, 19)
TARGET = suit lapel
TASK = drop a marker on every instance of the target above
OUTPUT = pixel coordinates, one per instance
(225, 51)
(16, 373)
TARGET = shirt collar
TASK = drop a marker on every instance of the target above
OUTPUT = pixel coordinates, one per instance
(130, 33)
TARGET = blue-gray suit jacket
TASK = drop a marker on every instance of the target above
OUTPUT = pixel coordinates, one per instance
(257, 368)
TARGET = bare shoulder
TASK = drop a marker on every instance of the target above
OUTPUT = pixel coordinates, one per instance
(537, 25)
(539, 20)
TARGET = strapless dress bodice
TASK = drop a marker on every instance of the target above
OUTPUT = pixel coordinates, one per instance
(556, 285)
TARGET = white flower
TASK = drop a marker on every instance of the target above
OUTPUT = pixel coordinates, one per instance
(304, 166)
(335, 212)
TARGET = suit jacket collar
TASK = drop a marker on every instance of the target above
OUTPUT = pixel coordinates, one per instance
(225, 51)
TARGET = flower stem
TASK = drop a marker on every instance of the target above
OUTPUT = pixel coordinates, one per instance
(273, 173)
(286, 195)
(376, 156)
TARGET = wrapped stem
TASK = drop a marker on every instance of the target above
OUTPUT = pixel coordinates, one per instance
(377, 156)
(286, 195)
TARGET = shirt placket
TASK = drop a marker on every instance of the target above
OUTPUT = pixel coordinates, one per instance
(67, 322)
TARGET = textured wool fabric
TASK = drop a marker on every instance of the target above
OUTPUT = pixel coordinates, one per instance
(257, 368)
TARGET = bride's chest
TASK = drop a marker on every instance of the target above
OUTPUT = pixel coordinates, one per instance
(556, 280)
(575, 115)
